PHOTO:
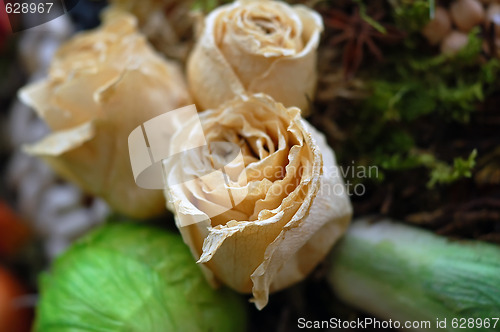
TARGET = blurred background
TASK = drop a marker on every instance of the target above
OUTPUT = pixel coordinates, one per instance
(40, 214)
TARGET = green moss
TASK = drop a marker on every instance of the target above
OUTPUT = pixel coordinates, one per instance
(207, 6)
(412, 15)
(414, 88)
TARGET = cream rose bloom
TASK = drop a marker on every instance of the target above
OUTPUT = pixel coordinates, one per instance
(256, 46)
(289, 204)
(101, 85)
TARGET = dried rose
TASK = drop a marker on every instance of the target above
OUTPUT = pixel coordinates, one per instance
(256, 46)
(101, 85)
(168, 24)
(288, 205)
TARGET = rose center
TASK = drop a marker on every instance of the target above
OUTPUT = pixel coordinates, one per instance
(265, 24)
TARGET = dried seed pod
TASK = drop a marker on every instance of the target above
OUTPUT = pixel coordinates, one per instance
(439, 27)
(487, 2)
(466, 14)
(493, 17)
(454, 42)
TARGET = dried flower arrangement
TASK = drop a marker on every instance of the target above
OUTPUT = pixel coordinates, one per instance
(423, 115)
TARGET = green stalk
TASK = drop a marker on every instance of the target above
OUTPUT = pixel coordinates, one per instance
(394, 271)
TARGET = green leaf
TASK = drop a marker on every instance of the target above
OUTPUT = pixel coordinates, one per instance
(128, 277)
(404, 273)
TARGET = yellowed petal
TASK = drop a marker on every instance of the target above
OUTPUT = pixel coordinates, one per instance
(304, 245)
(62, 141)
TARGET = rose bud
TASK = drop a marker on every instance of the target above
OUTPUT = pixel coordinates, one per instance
(256, 46)
(276, 209)
(466, 14)
(101, 85)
